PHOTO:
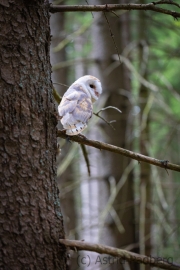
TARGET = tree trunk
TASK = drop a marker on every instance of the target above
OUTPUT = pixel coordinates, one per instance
(119, 226)
(69, 207)
(31, 220)
(57, 22)
(145, 169)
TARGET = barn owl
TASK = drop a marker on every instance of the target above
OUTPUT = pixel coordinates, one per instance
(76, 106)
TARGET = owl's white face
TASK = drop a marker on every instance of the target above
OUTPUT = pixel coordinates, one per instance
(92, 85)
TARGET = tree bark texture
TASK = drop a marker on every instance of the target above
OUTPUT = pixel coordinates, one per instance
(30, 216)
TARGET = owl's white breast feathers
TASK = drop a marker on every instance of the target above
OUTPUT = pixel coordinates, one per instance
(75, 108)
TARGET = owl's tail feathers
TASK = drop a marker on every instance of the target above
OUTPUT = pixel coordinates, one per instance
(76, 129)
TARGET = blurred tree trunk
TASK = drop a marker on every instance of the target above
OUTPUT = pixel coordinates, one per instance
(67, 178)
(119, 229)
(145, 170)
(57, 24)
(31, 219)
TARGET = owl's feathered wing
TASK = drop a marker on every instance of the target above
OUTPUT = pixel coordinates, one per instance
(75, 110)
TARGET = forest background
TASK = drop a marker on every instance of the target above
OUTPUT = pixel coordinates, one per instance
(115, 199)
(123, 203)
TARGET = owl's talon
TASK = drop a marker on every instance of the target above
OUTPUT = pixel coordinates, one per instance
(164, 163)
(63, 130)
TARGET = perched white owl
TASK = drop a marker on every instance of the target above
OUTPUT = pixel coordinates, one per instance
(76, 106)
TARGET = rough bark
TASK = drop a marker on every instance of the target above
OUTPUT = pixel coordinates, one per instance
(30, 215)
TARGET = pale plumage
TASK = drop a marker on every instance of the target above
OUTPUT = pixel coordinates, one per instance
(76, 106)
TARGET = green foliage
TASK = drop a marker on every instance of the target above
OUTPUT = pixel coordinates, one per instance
(162, 67)
(162, 70)
(78, 27)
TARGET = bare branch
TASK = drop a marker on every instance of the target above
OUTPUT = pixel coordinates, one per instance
(105, 146)
(121, 253)
(113, 7)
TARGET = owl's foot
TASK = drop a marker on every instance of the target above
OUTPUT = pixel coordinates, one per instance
(165, 163)
(63, 130)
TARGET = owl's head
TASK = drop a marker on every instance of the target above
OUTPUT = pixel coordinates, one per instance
(92, 85)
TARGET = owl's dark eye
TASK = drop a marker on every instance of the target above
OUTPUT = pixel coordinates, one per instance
(92, 86)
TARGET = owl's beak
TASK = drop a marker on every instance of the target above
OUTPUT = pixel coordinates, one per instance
(97, 94)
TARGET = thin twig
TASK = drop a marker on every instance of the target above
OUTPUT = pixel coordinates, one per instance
(105, 146)
(57, 97)
(85, 154)
(77, 33)
(109, 107)
(170, 2)
(115, 14)
(71, 62)
(112, 35)
(91, 12)
(119, 253)
(61, 84)
(107, 122)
